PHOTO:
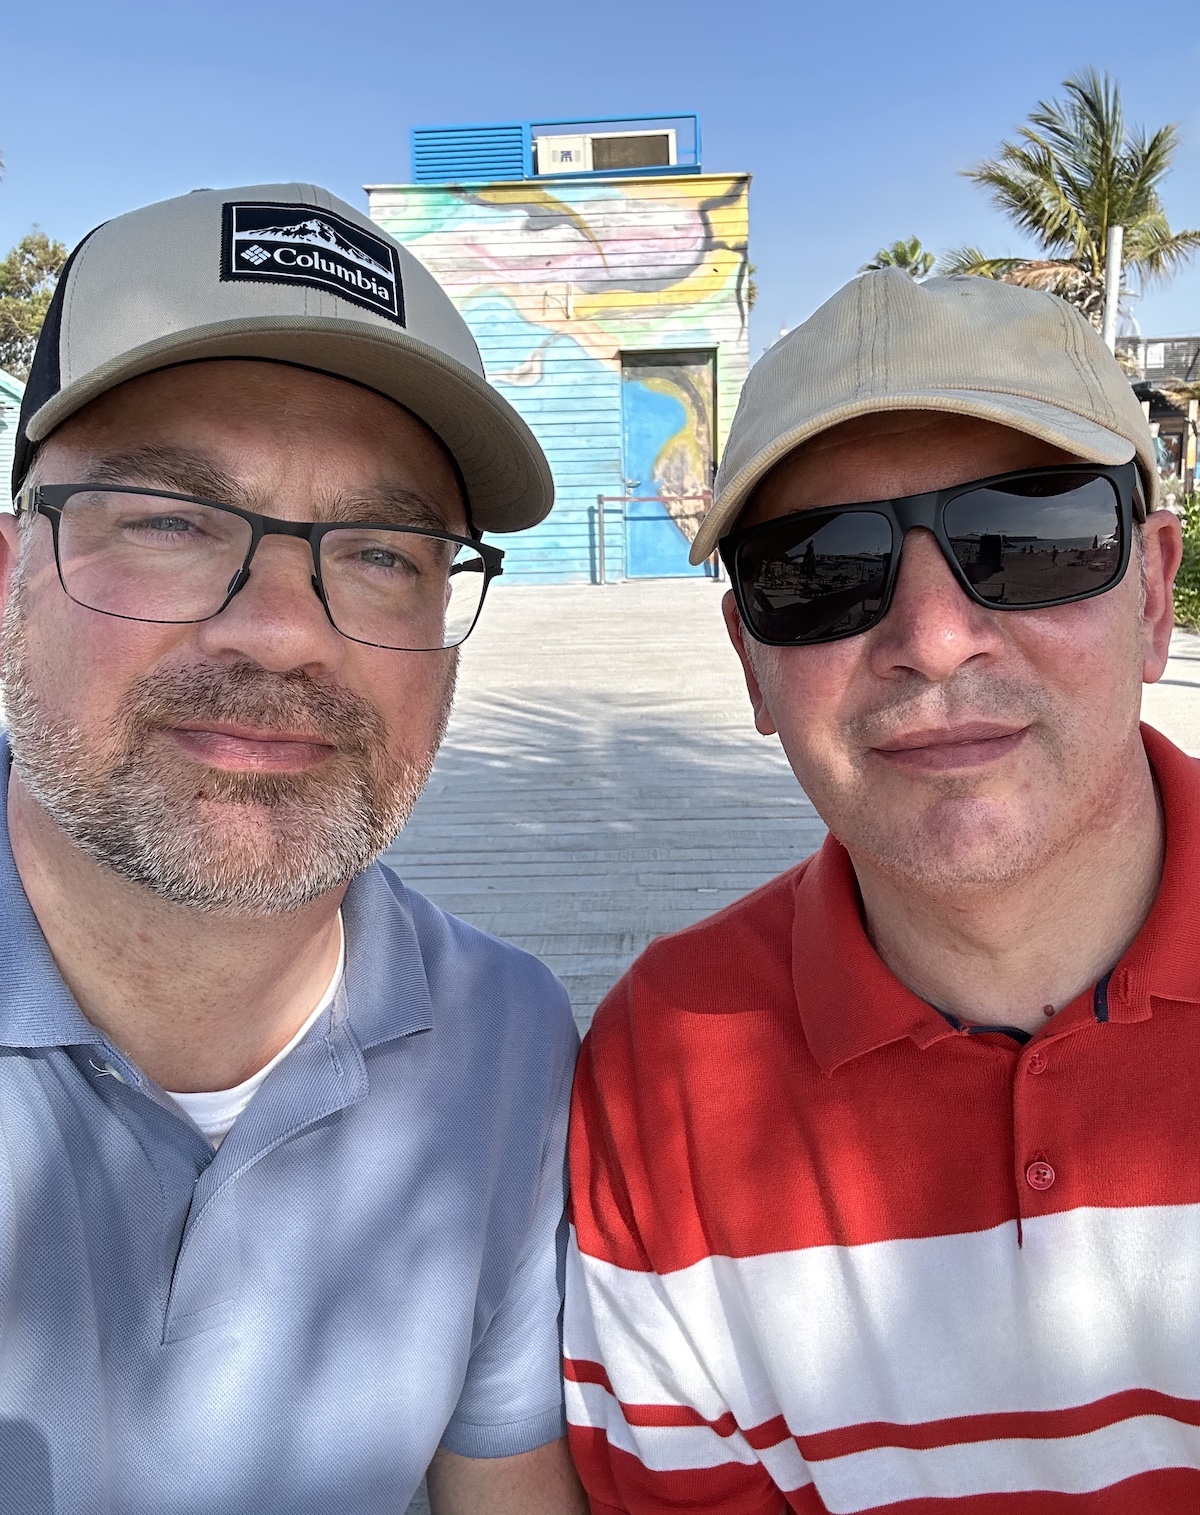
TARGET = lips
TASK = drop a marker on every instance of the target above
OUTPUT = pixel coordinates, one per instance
(242, 733)
(238, 748)
(951, 736)
(970, 745)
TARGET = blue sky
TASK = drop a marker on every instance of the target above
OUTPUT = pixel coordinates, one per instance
(854, 119)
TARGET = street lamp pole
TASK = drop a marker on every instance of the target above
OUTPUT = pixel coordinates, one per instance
(1112, 284)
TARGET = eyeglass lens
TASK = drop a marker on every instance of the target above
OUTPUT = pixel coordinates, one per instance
(153, 558)
(1034, 541)
(816, 576)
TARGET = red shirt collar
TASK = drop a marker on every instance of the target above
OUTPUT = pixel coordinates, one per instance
(850, 1003)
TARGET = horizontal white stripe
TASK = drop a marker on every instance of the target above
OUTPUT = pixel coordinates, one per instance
(1095, 1302)
(665, 1449)
(1067, 1465)
(888, 1475)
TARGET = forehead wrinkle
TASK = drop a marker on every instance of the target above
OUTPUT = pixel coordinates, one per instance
(182, 470)
(178, 469)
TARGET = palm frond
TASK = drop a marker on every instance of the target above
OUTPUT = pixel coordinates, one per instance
(907, 255)
(1026, 182)
(1074, 170)
(1154, 252)
(970, 260)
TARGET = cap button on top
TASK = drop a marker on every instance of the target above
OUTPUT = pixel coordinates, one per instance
(1039, 1175)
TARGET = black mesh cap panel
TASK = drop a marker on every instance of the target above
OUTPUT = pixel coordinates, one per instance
(45, 375)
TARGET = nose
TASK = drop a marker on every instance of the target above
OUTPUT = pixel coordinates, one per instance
(931, 627)
(276, 619)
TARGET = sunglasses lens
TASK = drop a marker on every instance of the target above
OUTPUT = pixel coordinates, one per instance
(1037, 541)
(815, 577)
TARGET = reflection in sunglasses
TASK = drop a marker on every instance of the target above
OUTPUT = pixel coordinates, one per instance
(1038, 569)
(1028, 540)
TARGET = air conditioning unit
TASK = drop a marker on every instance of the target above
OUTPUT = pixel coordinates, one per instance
(605, 152)
(564, 155)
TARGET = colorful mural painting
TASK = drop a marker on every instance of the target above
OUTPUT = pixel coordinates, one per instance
(667, 412)
(612, 313)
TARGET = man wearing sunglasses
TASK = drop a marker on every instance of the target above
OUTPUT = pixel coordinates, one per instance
(885, 1184)
(281, 1144)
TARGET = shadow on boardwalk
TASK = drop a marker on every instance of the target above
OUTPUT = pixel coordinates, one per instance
(602, 782)
(583, 834)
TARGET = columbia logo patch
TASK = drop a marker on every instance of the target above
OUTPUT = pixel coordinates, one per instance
(302, 244)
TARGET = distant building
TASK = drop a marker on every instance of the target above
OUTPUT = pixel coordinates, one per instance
(1163, 359)
(605, 279)
(1165, 373)
(11, 391)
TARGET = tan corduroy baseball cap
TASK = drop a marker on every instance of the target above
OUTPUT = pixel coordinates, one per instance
(975, 347)
(286, 273)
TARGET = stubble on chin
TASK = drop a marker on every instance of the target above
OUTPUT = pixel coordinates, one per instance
(938, 832)
(243, 843)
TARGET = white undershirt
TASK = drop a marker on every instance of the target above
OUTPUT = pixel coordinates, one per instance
(215, 1112)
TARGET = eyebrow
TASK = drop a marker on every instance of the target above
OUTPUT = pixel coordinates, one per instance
(177, 469)
(183, 471)
(389, 505)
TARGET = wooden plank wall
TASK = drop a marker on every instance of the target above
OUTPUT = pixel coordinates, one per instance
(556, 280)
(11, 391)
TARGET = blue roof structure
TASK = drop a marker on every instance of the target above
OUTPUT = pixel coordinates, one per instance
(510, 150)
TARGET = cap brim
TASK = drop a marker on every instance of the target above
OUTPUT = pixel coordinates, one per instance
(508, 482)
(1075, 434)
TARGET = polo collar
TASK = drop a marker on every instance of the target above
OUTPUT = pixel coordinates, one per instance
(850, 1003)
(385, 991)
(386, 988)
(36, 1007)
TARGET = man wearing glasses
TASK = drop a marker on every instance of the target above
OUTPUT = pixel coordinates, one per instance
(281, 1144)
(885, 1181)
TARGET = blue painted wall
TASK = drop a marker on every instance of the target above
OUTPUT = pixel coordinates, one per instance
(11, 391)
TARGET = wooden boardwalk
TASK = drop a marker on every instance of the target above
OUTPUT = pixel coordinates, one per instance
(602, 781)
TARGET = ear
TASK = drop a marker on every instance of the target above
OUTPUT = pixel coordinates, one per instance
(1162, 549)
(10, 551)
(737, 635)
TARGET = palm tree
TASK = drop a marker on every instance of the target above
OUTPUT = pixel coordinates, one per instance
(1075, 170)
(909, 256)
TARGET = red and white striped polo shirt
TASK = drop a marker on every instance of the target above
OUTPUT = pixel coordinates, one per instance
(831, 1252)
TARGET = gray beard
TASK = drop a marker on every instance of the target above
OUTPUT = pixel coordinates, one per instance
(240, 843)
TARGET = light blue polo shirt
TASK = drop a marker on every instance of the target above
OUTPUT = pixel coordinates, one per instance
(368, 1268)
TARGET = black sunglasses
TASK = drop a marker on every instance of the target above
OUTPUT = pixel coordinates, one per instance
(1019, 541)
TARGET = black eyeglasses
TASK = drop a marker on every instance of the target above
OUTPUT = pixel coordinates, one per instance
(1019, 541)
(146, 555)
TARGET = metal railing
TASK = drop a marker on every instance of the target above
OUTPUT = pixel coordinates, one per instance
(603, 500)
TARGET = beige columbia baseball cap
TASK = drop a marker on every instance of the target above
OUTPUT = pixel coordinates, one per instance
(289, 273)
(972, 346)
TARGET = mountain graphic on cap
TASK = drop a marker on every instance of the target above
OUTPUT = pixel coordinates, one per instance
(318, 233)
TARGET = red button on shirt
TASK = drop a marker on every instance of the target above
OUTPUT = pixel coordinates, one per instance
(1039, 1175)
(1037, 1062)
